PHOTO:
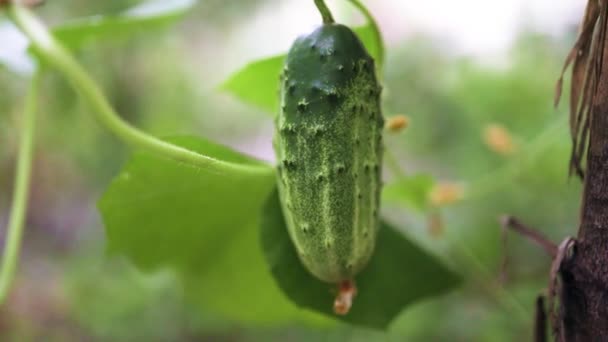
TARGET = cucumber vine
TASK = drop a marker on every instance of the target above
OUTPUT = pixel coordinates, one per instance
(53, 53)
(21, 188)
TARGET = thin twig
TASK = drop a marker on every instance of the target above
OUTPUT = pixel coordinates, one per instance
(510, 222)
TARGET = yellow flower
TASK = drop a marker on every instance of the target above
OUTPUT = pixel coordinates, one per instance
(446, 193)
(498, 139)
(397, 123)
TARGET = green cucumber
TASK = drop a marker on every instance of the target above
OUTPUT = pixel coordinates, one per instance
(328, 142)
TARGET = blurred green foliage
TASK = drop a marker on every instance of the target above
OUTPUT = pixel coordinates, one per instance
(166, 83)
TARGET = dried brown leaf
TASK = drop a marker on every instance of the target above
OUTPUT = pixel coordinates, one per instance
(586, 58)
(580, 46)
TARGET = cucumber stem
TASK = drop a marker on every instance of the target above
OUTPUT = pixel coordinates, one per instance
(325, 12)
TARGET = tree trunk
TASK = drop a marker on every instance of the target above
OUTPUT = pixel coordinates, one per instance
(585, 274)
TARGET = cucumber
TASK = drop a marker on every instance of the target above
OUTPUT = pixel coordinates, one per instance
(328, 143)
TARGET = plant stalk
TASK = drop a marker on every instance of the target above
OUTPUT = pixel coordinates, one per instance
(325, 12)
(53, 53)
(17, 216)
(375, 30)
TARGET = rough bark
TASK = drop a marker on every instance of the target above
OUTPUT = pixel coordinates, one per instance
(584, 276)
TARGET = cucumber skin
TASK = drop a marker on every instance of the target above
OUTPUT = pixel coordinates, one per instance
(328, 142)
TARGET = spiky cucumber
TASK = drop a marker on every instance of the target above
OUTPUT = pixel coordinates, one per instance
(328, 143)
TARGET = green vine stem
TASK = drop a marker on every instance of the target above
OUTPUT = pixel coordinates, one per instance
(16, 221)
(375, 29)
(53, 53)
(325, 12)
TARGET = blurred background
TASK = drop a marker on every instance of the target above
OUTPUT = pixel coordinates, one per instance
(476, 78)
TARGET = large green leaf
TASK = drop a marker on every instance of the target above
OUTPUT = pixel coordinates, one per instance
(412, 191)
(398, 274)
(161, 213)
(258, 82)
(144, 16)
(239, 285)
